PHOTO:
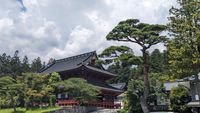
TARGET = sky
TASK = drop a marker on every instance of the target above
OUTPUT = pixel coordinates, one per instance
(62, 28)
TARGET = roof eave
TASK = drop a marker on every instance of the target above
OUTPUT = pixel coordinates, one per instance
(101, 71)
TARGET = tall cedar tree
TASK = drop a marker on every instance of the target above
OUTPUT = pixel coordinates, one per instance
(25, 64)
(184, 48)
(5, 65)
(36, 65)
(156, 62)
(16, 65)
(145, 35)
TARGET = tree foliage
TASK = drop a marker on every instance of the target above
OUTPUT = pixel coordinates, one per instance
(25, 66)
(14, 66)
(36, 65)
(80, 90)
(156, 62)
(121, 61)
(135, 91)
(36, 88)
(143, 34)
(54, 78)
(10, 90)
(184, 48)
(179, 97)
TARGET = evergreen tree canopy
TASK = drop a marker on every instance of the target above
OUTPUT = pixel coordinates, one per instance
(156, 61)
(121, 61)
(179, 97)
(10, 89)
(145, 35)
(80, 89)
(36, 65)
(184, 26)
(25, 64)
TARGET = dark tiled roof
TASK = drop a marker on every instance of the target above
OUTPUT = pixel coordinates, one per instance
(119, 85)
(69, 63)
(105, 86)
(100, 70)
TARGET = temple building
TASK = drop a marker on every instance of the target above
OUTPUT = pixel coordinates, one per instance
(193, 84)
(84, 66)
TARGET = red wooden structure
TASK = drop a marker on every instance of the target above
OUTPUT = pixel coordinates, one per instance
(84, 66)
(90, 103)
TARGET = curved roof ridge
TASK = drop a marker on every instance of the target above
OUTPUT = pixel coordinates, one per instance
(75, 56)
(100, 70)
(86, 55)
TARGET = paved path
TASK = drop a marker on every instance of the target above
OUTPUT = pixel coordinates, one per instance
(106, 111)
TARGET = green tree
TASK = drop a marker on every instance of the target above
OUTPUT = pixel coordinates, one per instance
(120, 60)
(184, 48)
(3, 101)
(13, 66)
(53, 80)
(36, 88)
(145, 35)
(80, 90)
(25, 65)
(135, 90)
(16, 65)
(36, 65)
(179, 97)
(10, 89)
(6, 67)
(156, 62)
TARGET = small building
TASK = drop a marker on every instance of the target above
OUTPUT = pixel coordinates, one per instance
(195, 94)
(84, 66)
(193, 84)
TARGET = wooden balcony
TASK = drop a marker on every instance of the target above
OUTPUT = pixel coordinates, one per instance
(90, 103)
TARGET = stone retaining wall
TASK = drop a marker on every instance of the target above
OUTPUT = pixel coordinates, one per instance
(80, 109)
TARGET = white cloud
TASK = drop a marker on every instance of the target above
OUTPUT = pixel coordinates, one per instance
(30, 35)
(62, 28)
(6, 22)
(78, 38)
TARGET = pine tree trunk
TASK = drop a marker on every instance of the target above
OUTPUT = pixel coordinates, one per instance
(144, 105)
(143, 99)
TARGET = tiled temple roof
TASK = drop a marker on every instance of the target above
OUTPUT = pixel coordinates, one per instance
(73, 63)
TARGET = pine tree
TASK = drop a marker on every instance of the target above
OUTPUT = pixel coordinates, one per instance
(145, 35)
(120, 60)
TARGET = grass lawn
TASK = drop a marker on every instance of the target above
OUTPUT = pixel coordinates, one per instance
(22, 110)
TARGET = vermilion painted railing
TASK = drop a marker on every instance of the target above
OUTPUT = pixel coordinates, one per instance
(90, 103)
(66, 102)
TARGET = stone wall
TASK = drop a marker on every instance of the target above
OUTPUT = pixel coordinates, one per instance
(77, 109)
